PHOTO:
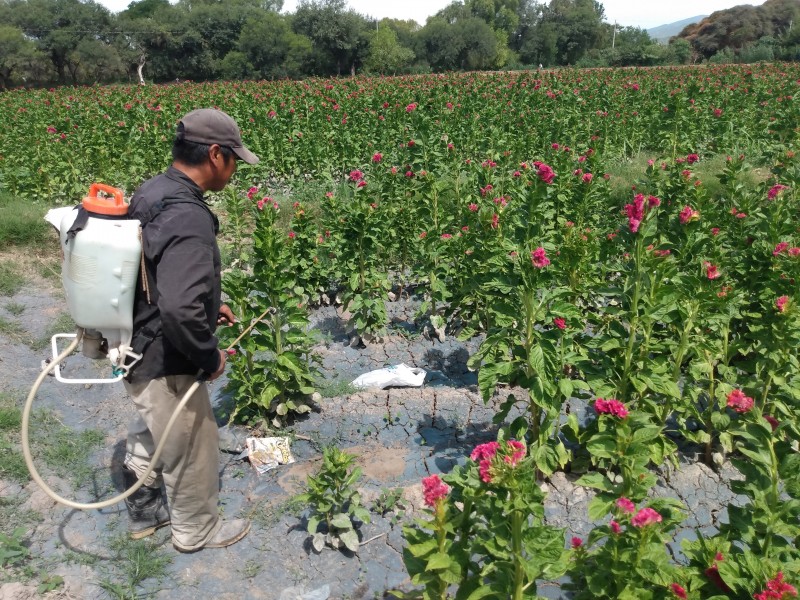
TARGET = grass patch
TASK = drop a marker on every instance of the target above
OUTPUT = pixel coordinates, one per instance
(61, 449)
(22, 222)
(135, 561)
(10, 280)
(15, 308)
(268, 515)
(333, 388)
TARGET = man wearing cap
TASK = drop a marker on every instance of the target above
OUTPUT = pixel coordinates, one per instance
(176, 311)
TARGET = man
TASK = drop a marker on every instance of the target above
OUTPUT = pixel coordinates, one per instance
(176, 311)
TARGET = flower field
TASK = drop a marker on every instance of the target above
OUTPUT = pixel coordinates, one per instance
(667, 301)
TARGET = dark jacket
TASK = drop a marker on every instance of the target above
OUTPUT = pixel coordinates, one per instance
(182, 262)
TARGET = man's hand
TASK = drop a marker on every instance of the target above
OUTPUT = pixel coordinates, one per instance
(222, 359)
(226, 316)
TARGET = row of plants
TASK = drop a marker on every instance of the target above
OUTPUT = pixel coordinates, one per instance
(57, 142)
(674, 316)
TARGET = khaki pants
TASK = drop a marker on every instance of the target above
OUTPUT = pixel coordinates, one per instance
(189, 463)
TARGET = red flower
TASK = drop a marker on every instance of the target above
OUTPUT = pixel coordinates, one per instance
(625, 505)
(777, 589)
(779, 248)
(615, 527)
(411, 107)
(434, 489)
(539, 258)
(361, 183)
(545, 172)
(688, 214)
(356, 175)
(715, 231)
(711, 271)
(484, 451)
(692, 158)
(231, 351)
(775, 190)
(517, 450)
(495, 221)
(645, 517)
(576, 542)
(739, 402)
(781, 303)
(635, 212)
(560, 323)
(678, 591)
(292, 235)
(411, 143)
(473, 207)
(587, 178)
(611, 407)
(377, 157)
(773, 422)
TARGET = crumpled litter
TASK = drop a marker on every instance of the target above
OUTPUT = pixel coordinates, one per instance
(395, 376)
(267, 453)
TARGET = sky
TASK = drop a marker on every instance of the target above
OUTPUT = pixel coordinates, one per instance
(635, 13)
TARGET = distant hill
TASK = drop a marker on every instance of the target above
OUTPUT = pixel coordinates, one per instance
(662, 33)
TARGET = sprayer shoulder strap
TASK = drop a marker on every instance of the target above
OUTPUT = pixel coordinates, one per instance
(159, 206)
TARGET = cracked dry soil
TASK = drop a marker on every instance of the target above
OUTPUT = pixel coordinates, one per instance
(399, 435)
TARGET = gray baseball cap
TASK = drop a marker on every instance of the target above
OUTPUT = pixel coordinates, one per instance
(212, 126)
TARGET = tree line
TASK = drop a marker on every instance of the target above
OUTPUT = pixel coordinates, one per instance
(45, 42)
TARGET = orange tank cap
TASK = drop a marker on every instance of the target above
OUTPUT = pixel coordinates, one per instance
(112, 206)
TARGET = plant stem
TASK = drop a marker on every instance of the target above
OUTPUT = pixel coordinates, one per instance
(516, 540)
(634, 322)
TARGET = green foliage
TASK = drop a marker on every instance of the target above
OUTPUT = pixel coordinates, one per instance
(486, 536)
(12, 548)
(272, 372)
(10, 280)
(335, 510)
(135, 561)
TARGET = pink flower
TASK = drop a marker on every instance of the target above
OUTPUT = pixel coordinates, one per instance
(517, 450)
(652, 201)
(434, 489)
(52, 129)
(356, 175)
(777, 589)
(794, 251)
(635, 212)
(377, 157)
(781, 303)
(692, 158)
(484, 451)
(775, 190)
(446, 236)
(711, 271)
(231, 351)
(361, 184)
(739, 402)
(611, 407)
(409, 174)
(688, 214)
(545, 172)
(576, 542)
(779, 248)
(473, 207)
(587, 178)
(495, 221)
(539, 258)
(251, 192)
(260, 204)
(411, 107)
(615, 528)
(715, 231)
(560, 323)
(292, 235)
(626, 505)
(678, 591)
(411, 143)
(423, 235)
(645, 517)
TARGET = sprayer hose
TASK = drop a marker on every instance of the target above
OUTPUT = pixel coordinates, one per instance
(26, 450)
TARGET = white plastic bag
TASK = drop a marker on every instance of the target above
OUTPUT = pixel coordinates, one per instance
(395, 376)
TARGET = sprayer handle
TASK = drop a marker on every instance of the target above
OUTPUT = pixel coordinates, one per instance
(105, 206)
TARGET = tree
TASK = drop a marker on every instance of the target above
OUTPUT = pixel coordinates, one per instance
(272, 48)
(59, 26)
(16, 52)
(386, 55)
(340, 37)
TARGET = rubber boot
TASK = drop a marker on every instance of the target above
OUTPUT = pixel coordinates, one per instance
(147, 510)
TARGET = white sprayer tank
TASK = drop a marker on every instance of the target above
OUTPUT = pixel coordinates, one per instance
(101, 265)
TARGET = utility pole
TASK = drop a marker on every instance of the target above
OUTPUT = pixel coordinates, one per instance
(614, 35)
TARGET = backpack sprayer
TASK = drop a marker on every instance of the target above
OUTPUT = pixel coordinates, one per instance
(102, 254)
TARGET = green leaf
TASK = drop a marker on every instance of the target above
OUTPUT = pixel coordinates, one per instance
(439, 561)
(350, 540)
(342, 521)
